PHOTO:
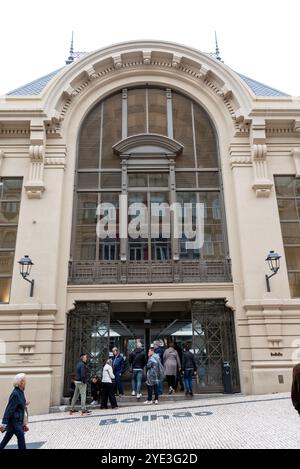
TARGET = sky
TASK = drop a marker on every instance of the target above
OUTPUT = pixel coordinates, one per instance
(259, 38)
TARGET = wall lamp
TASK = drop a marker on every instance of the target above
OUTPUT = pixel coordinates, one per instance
(25, 269)
(273, 260)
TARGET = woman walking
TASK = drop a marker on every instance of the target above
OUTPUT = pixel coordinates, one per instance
(108, 386)
(171, 365)
(189, 368)
(154, 369)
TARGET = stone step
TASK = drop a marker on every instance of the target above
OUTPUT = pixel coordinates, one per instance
(128, 401)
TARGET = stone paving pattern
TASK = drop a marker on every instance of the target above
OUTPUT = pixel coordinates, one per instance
(238, 421)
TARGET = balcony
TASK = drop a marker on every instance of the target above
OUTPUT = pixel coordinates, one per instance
(117, 272)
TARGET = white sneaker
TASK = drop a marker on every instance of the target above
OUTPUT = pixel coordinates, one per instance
(148, 402)
(138, 396)
(155, 402)
(94, 403)
(133, 393)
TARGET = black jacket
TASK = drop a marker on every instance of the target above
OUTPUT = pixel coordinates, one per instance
(81, 372)
(15, 410)
(138, 359)
(188, 361)
(295, 392)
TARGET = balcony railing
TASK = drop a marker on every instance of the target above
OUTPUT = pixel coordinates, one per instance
(114, 272)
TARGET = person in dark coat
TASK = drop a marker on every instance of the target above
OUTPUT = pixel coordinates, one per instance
(96, 388)
(295, 392)
(118, 369)
(13, 419)
(138, 361)
(178, 376)
(159, 350)
(189, 368)
(80, 385)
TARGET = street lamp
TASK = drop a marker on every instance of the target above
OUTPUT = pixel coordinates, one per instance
(273, 260)
(25, 269)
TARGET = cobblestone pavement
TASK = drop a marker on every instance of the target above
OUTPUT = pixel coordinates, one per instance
(267, 421)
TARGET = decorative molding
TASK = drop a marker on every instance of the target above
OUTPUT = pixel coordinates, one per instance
(262, 184)
(140, 59)
(129, 144)
(296, 156)
(2, 155)
(35, 184)
(240, 155)
(55, 157)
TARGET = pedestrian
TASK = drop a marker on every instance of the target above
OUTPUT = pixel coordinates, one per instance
(189, 368)
(138, 361)
(80, 385)
(13, 422)
(118, 369)
(154, 370)
(72, 386)
(108, 386)
(96, 388)
(159, 350)
(178, 375)
(295, 392)
(171, 365)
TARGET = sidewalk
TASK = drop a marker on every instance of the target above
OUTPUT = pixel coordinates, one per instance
(237, 421)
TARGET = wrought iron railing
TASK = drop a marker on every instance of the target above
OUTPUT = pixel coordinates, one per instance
(114, 272)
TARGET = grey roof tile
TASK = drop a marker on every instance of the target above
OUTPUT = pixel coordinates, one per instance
(259, 89)
(34, 87)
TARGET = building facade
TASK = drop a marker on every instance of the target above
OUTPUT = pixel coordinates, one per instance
(157, 124)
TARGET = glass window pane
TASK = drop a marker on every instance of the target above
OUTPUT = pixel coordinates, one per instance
(88, 180)
(5, 289)
(158, 180)
(6, 262)
(89, 140)
(292, 255)
(137, 180)
(85, 243)
(208, 179)
(291, 233)
(9, 212)
(112, 130)
(183, 130)
(8, 235)
(284, 186)
(136, 111)
(109, 250)
(185, 180)
(10, 188)
(157, 103)
(297, 187)
(86, 209)
(206, 143)
(287, 209)
(110, 180)
(294, 279)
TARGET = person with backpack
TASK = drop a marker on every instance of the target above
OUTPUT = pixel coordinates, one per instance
(189, 368)
(138, 361)
(118, 364)
(154, 369)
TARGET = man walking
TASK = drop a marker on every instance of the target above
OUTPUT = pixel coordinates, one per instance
(118, 370)
(138, 361)
(13, 419)
(80, 385)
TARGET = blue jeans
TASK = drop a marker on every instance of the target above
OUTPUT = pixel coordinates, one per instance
(14, 429)
(118, 384)
(188, 380)
(136, 382)
(160, 388)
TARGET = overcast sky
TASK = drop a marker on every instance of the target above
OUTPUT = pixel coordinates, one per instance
(259, 38)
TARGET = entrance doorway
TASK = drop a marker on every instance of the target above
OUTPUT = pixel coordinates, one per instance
(206, 325)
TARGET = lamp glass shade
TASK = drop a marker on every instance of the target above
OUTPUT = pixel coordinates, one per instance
(25, 266)
(273, 260)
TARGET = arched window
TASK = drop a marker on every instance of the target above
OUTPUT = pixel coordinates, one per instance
(155, 146)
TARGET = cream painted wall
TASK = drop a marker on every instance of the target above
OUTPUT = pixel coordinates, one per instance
(266, 324)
